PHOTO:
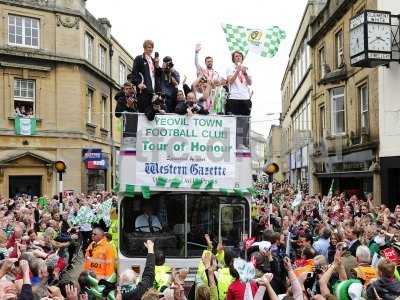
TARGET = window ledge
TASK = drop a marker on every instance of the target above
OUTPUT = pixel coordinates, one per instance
(91, 126)
(104, 130)
(335, 136)
(12, 118)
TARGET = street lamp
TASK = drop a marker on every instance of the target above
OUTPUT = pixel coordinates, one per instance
(270, 170)
(60, 167)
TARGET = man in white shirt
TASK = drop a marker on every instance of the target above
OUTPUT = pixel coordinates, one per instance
(239, 103)
(147, 222)
(208, 72)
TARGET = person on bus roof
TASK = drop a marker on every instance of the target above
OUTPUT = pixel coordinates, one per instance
(147, 222)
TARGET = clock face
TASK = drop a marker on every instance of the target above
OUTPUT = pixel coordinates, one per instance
(379, 37)
(356, 40)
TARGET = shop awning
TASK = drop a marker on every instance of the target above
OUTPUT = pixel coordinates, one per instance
(351, 174)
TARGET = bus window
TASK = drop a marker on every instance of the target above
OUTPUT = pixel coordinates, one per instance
(160, 218)
(203, 213)
(232, 225)
(223, 218)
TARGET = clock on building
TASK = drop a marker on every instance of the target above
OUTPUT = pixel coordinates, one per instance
(370, 39)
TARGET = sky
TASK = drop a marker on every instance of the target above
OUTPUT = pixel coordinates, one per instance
(176, 26)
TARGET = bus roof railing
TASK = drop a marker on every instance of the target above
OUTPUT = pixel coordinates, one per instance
(130, 128)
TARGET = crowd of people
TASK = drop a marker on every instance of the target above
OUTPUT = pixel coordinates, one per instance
(153, 89)
(23, 111)
(44, 241)
(324, 247)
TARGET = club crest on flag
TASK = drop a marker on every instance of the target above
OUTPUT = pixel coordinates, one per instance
(262, 42)
(255, 37)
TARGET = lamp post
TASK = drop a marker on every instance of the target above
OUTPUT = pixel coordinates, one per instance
(60, 167)
(270, 170)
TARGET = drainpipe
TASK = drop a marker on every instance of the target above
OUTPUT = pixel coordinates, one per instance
(111, 53)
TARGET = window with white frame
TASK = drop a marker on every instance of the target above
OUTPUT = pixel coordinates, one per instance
(24, 97)
(104, 112)
(122, 73)
(363, 95)
(23, 31)
(338, 114)
(88, 47)
(90, 94)
(300, 64)
(339, 48)
(102, 58)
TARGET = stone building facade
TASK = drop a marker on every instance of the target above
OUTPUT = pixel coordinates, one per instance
(344, 105)
(296, 91)
(62, 67)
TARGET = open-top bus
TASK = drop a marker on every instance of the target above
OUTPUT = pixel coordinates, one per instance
(191, 174)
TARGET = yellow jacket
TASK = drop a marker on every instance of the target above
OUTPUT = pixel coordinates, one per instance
(366, 273)
(162, 276)
(100, 259)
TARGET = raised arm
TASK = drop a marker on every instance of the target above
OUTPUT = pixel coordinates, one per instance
(196, 60)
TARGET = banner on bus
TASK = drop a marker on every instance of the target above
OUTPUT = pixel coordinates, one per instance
(187, 148)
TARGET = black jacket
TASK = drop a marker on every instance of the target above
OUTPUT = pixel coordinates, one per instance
(26, 292)
(354, 247)
(146, 282)
(141, 70)
(387, 289)
(121, 107)
(182, 106)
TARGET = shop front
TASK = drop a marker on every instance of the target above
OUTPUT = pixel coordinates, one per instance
(299, 167)
(96, 167)
(349, 173)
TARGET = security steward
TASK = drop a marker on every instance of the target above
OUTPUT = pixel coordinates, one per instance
(100, 257)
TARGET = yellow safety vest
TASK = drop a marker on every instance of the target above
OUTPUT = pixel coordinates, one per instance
(366, 273)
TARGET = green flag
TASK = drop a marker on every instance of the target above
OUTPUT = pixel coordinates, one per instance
(116, 187)
(145, 191)
(196, 184)
(43, 202)
(209, 185)
(25, 126)
(130, 190)
(236, 37)
(253, 191)
(262, 42)
(176, 182)
(330, 193)
(225, 192)
(161, 181)
(238, 192)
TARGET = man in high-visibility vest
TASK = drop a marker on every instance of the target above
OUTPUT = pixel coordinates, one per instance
(100, 257)
(364, 271)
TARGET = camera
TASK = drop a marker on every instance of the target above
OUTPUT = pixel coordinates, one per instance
(158, 99)
(194, 107)
(203, 79)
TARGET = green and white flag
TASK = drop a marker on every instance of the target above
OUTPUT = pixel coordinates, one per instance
(262, 42)
(299, 197)
(330, 193)
(25, 126)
